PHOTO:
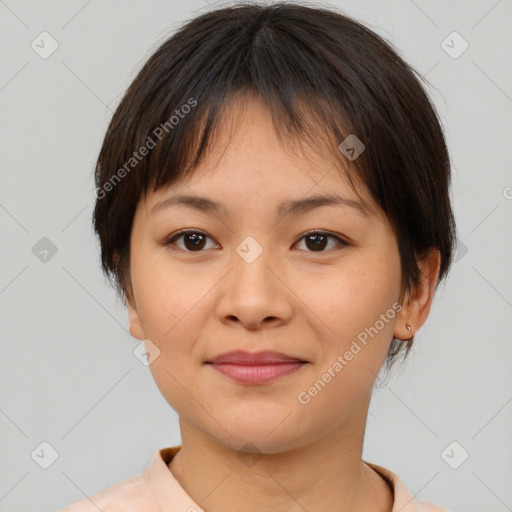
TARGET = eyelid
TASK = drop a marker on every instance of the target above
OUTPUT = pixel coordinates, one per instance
(170, 240)
(343, 241)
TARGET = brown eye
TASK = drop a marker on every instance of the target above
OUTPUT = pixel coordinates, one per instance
(193, 241)
(317, 241)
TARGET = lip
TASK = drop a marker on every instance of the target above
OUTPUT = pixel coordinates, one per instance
(256, 367)
(242, 357)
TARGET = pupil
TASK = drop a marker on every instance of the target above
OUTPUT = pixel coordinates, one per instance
(317, 243)
(196, 240)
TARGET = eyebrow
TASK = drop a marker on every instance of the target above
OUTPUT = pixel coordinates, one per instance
(291, 207)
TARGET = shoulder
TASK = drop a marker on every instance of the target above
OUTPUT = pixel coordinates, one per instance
(404, 500)
(423, 506)
(132, 494)
(143, 492)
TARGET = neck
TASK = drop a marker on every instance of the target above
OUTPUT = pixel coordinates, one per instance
(326, 475)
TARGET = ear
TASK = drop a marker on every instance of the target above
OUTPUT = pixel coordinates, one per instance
(416, 305)
(133, 316)
(135, 325)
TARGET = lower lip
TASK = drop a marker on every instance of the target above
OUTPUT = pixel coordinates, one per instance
(257, 374)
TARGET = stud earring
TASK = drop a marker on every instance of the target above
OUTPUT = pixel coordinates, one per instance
(409, 328)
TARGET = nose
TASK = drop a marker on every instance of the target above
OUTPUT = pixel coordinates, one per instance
(254, 293)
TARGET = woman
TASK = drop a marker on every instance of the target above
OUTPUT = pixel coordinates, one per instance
(273, 207)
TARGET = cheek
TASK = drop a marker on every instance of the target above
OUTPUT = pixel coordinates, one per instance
(168, 295)
(354, 337)
(353, 297)
(171, 304)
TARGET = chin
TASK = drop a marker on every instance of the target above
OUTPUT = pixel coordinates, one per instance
(254, 434)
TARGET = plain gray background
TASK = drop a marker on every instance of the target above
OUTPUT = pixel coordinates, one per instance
(68, 373)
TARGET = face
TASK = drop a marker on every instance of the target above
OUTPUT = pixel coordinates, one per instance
(317, 284)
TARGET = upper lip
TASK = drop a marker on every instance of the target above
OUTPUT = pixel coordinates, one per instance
(245, 358)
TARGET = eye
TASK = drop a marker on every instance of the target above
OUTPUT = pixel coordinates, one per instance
(318, 240)
(194, 241)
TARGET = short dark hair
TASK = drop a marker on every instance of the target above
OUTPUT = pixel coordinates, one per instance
(323, 76)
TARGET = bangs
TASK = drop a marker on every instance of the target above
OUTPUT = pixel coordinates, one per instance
(314, 96)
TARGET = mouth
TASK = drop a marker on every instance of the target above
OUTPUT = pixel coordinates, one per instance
(256, 368)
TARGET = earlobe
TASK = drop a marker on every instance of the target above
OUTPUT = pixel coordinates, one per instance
(135, 325)
(129, 300)
(417, 303)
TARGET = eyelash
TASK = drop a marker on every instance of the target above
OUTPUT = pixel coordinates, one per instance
(170, 241)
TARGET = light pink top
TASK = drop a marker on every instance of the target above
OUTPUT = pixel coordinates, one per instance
(157, 490)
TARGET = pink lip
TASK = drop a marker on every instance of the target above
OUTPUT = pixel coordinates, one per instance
(255, 368)
(244, 358)
(257, 374)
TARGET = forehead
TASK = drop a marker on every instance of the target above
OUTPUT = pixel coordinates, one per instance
(247, 156)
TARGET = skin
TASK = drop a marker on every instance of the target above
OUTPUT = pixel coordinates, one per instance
(196, 304)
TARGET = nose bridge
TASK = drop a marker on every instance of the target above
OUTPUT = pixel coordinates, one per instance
(253, 293)
(251, 263)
